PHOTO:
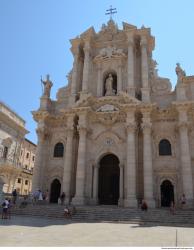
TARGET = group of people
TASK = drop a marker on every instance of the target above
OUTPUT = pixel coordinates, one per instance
(39, 196)
(144, 205)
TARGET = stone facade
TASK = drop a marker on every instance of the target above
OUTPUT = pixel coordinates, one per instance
(117, 133)
(13, 145)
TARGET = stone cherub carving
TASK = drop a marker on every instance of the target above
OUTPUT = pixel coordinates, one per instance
(47, 86)
(109, 86)
(110, 52)
(180, 73)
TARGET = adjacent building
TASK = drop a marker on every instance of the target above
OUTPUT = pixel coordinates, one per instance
(17, 154)
(117, 133)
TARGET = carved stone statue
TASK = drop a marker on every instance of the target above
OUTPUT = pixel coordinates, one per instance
(109, 86)
(109, 52)
(180, 73)
(47, 86)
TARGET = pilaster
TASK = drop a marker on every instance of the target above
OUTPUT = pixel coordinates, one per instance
(147, 158)
(131, 199)
(144, 70)
(86, 67)
(79, 198)
(185, 156)
(68, 158)
(130, 67)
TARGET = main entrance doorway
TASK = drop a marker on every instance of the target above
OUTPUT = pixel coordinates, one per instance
(167, 193)
(108, 181)
(55, 191)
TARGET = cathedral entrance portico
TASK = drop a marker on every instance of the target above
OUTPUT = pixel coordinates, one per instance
(55, 191)
(108, 180)
(167, 193)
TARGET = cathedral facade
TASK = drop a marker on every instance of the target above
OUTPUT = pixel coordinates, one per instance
(117, 133)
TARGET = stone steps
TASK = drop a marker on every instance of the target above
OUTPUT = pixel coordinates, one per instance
(98, 213)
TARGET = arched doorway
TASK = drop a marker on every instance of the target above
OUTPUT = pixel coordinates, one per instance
(167, 193)
(55, 191)
(108, 181)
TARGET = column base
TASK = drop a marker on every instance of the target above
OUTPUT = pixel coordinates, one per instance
(131, 91)
(121, 202)
(78, 200)
(189, 204)
(131, 202)
(94, 201)
(145, 95)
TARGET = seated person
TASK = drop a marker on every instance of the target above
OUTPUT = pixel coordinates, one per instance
(67, 213)
(144, 206)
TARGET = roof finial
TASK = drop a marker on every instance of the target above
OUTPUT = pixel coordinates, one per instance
(110, 12)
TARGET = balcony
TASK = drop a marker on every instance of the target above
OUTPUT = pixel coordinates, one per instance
(9, 166)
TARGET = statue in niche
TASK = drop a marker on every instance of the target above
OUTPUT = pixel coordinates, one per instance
(109, 86)
(180, 73)
(47, 86)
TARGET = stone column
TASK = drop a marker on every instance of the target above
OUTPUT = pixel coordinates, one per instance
(68, 159)
(1, 191)
(131, 199)
(79, 198)
(147, 159)
(99, 81)
(95, 185)
(121, 185)
(86, 67)
(144, 70)
(130, 66)
(74, 76)
(119, 80)
(185, 157)
(39, 161)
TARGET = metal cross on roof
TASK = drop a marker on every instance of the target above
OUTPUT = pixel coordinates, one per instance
(110, 12)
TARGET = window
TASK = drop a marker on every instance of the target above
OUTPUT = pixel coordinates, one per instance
(58, 150)
(165, 147)
(5, 151)
(27, 155)
(19, 180)
(33, 158)
(26, 182)
(21, 152)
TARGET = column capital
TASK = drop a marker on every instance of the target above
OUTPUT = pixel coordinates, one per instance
(143, 42)
(131, 128)
(130, 39)
(146, 127)
(43, 134)
(183, 125)
(82, 130)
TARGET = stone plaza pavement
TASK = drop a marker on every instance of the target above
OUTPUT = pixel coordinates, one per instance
(28, 231)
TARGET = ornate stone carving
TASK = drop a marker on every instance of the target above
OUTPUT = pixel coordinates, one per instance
(110, 52)
(107, 108)
(161, 86)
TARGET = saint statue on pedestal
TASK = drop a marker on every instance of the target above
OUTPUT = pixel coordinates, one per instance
(109, 86)
(47, 86)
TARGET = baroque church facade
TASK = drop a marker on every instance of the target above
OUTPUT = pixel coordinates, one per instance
(117, 133)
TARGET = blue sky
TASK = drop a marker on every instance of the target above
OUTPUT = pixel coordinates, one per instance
(35, 41)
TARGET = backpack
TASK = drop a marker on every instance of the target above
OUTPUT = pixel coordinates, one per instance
(3, 204)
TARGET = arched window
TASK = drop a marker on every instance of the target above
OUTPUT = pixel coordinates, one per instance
(165, 147)
(58, 150)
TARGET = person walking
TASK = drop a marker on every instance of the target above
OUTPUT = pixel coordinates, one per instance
(5, 208)
(172, 207)
(183, 201)
(62, 198)
(144, 206)
(14, 195)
